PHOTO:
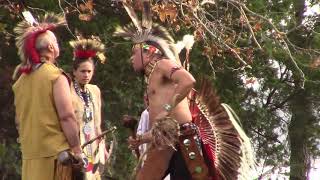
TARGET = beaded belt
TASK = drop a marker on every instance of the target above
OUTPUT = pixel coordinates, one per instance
(190, 146)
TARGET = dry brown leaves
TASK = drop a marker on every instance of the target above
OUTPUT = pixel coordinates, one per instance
(212, 51)
(257, 27)
(315, 64)
(137, 4)
(249, 55)
(14, 9)
(166, 12)
(199, 33)
(86, 11)
(250, 81)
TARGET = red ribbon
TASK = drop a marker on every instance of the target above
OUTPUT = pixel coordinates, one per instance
(29, 48)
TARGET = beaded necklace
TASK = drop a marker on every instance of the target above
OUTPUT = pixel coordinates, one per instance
(149, 68)
(87, 100)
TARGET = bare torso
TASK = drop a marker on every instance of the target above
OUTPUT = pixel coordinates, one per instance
(160, 91)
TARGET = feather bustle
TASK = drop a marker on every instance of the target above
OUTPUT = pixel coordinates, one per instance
(224, 136)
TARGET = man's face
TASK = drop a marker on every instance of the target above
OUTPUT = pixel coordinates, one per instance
(54, 43)
(83, 74)
(136, 59)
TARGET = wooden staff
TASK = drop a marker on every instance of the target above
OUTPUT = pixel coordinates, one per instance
(65, 157)
(99, 136)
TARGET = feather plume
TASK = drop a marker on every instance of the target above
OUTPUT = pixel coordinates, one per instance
(132, 15)
(164, 45)
(248, 163)
(55, 20)
(29, 18)
(27, 34)
(126, 32)
(160, 31)
(188, 40)
(88, 48)
(179, 46)
(150, 33)
(146, 15)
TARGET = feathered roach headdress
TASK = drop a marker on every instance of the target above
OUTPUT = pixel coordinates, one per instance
(88, 48)
(27, 32)
(146, 32)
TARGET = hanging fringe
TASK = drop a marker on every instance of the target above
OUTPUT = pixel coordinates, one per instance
(165, 132)
(63, 172)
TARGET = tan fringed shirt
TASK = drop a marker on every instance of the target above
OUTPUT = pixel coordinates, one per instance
(97, 160)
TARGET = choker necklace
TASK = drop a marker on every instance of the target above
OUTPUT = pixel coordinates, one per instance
(149, 68)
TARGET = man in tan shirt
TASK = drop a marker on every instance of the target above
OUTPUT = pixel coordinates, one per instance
(44, 112)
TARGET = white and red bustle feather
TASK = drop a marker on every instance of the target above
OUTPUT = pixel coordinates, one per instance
(225, 143)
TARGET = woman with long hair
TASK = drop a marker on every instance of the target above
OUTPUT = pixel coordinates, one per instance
(87, 103)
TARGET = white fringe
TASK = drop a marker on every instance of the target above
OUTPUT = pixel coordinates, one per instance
(248, 163)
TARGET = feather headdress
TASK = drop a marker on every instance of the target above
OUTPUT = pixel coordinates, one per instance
(145, 31)
(27, 32)
(88, 48)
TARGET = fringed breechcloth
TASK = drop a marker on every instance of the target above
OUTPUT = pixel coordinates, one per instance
(187, 163)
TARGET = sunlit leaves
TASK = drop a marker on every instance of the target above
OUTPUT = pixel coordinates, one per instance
(2, 27)
(87, 6)
(250, 81)
(211, 51)
(85, 17)
(87, 11)
(315, 63)
(257, 27)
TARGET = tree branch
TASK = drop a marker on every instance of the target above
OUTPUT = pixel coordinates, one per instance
(281, 104)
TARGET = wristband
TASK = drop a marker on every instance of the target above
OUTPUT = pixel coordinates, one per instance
(139, 138)
(167, 107)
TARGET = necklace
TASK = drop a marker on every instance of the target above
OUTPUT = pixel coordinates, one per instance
(149, 68)
(86, 98)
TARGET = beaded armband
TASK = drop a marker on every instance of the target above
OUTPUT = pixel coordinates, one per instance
(174, 69)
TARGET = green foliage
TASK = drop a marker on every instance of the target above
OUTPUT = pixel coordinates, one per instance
(10, 161)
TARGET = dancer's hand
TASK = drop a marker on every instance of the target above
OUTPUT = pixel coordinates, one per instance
(80, 161)
(134, 143)
(76, 150)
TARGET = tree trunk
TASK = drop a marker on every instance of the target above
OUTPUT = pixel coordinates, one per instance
(298, 136)
(301, 109)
